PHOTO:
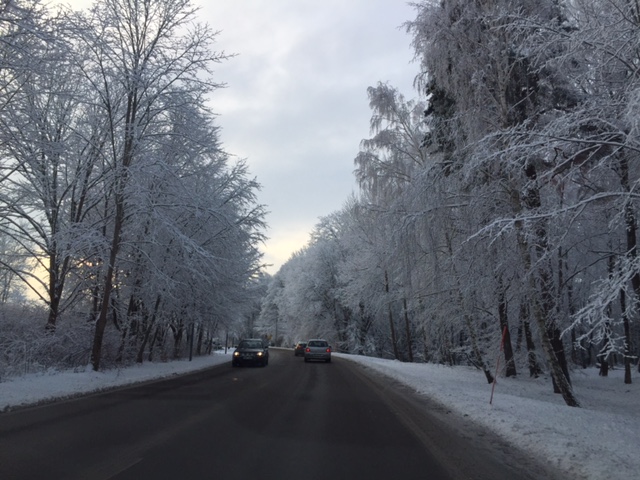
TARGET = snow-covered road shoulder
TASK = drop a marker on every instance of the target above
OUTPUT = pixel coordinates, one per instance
(33, 389)
(598, 441)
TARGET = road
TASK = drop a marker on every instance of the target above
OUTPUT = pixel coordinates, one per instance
(289, 420)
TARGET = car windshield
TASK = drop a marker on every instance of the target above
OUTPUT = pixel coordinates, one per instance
(251, 344)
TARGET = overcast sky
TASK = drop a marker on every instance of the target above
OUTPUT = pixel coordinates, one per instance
(296, 103)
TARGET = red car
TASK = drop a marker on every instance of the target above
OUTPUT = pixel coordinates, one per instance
(298, 350)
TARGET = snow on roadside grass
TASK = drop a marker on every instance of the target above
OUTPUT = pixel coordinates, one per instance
(37, 388)
(598, 441)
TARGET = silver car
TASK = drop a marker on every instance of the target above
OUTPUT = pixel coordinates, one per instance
(317, 349)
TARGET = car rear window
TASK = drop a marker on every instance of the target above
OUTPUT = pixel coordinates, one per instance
(317, 344)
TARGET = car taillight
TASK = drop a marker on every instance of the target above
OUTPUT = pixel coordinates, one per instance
(329, 350)
(308, 349)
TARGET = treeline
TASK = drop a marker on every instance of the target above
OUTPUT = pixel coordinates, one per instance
(498, 209)
(120, 211)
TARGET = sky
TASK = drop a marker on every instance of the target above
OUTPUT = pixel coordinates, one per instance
(598, 441)
(295, 105)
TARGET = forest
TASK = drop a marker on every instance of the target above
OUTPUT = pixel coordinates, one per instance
(497, 211)
(127, 233)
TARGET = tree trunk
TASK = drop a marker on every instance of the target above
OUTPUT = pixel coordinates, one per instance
(365, 322)
(534, 367)
(510, 363)
(632, 253)
(101, 323)
(123, 342)
(475, 348)
(158, 336)
(425, 345)
(447, 345)
(200, 340)
(119, 198)
(408, 330)
(606, 349)
(541, 294)
(178, 331)
(631, 224)
(627, 338)
(553, 349)
(558, 348)
(191, 333)
(392, 327)
(147, 333)
(54, 293)
(532, 357)
(562, 267)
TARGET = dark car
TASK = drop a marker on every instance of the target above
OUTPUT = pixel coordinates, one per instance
(317, 349)
(251, 351)
(298, 350)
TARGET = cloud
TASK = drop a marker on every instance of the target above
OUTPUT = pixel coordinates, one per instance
(296, 105)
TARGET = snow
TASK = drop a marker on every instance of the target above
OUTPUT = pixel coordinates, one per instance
(598, 441)
(32, 389)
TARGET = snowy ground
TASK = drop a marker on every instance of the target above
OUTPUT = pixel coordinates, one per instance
(600, 441)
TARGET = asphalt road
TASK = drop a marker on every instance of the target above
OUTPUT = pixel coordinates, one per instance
(289, 420)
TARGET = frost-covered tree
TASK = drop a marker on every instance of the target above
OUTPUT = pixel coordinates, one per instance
(194, 245)
(598, 142)
(476, 54)
(387, 166)
(388, 161)
(116, 182)
(46, 172)
(143, 56)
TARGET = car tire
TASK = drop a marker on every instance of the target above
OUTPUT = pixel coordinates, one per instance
(328, 360)
(306, 360)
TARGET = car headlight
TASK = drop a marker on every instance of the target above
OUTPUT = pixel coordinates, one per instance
(260, 354)
(236, 354)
